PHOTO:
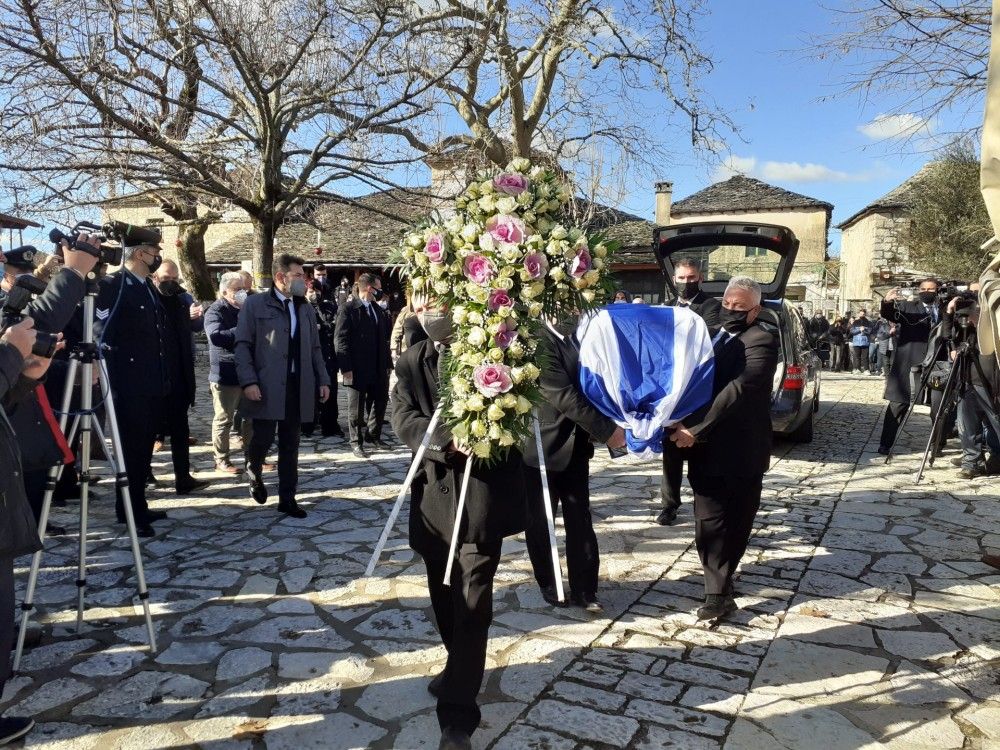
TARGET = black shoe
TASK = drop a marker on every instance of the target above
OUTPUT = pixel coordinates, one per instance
(53, 530)
(992, 466)
(971, 473)
(549, 595)
(359, 451)
(292, 509)
(883, 450)
(156, 515)
(334, 433)
(189, 484)
(434, 686)
(257, 489)
(455, 739)
(716, 606)
(145, 531)
(14, 727)
(588, 602)
(956, 461)
(666, 517)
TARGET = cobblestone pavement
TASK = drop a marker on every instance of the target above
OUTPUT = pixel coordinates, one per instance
(867, 617)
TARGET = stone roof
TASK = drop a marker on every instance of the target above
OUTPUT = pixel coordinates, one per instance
(367, 232)
(12, 222)
(899, 197)
(741, 193)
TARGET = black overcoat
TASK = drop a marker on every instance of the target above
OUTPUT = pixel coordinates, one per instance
(914, 323)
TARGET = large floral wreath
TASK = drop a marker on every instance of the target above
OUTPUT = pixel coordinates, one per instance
(501, 263)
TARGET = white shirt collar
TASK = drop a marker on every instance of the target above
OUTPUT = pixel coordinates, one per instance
(281, 297)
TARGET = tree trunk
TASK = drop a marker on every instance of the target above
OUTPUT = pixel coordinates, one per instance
(263, 251)
(191, 255)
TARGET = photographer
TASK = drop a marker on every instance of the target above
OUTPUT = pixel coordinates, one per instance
(914, 322)
(19, 374)
(975, 408)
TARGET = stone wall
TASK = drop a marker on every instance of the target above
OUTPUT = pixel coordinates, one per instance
(868, 246)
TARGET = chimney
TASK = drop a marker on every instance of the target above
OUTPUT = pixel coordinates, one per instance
(664, 196)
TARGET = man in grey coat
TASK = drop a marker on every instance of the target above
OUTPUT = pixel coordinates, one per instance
(279, 364)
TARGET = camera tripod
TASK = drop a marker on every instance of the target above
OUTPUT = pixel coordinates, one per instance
(84, 357)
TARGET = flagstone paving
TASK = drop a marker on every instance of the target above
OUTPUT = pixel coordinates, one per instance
(867, 620)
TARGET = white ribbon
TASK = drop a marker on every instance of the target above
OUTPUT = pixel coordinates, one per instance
(549, 518)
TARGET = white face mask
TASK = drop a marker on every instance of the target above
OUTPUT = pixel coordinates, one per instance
(240, 297)
(383, 304)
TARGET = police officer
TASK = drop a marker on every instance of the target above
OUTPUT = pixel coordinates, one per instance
(131, 320)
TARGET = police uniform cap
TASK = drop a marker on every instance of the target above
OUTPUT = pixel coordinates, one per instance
(25, 256)
(134, 236)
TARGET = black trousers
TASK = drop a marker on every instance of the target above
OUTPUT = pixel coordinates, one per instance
(571, 488)
(859, 357)
(288, 431)
(138, 421)
(34, 487)
(464, 612)
(6, 617)
(724, 509)
(328, 414)
(673, 473)
(175, 426)
(895, 412)
(366, 410)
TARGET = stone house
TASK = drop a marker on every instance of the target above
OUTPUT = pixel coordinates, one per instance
(873, 251)
(742, 198)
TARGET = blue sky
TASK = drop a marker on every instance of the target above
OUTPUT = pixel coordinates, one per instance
(834, 150)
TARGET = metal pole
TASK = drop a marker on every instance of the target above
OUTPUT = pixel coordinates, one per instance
(458, 520)
(549, 516)
(394, 513)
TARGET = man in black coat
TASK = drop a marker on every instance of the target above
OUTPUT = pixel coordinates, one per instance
(327, 413)
(914, 322)
(362, 345)
(181, 320)
(687, 279)
(568, 422)
(494, 510)
(131, 319)
(730, 443)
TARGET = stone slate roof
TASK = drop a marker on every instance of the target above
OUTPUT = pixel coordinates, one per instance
(12, 222)
(368, 232)
(741, 193)
(899, 197)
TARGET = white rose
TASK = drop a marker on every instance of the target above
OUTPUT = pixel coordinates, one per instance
(508, 401)
(592, 276)
(459, 315)
(589, 295)
(478, 428)
(482, 449)
(506, 439)
(516, 350)
(475, 318)
(475, 402)
(487, 203)
(442, 287)
(458, 408)
(598, 263)
(415, 241)
(520, 164)
(535, 309)
(523, 405)
(477, 336)
(558, 232)
(505, 282)
(495, 412)
(496, 354)
(486, 187)
(506, 205)
(470, 232)
(557, 273)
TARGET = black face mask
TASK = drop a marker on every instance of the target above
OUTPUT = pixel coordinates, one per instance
(170, 288)
(153, 264)
(377, 294)
(321, 280)
(734, 321)
(928, 298)
(689, 289)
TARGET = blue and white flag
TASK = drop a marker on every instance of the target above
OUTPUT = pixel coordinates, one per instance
(646, 368)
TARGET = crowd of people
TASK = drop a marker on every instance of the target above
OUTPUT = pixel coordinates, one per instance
(854, 342)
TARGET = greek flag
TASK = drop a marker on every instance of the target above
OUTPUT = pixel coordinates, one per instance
(646, 368)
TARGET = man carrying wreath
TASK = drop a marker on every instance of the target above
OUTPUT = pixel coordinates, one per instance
(494, 509)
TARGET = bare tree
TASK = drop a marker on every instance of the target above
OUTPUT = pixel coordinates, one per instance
(256, 106)
(568, 78)
(927, 56)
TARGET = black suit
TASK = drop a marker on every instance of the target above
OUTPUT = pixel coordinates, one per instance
(179, 350)
(732, 452)
(326, 316)
(132, 321)
(494, 509)
(708, 309)
(914, 323)
(362, 346)
(567, 421)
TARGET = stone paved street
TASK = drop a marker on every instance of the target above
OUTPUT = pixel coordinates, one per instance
(867, 617)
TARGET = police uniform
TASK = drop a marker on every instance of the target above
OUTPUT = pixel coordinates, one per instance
(131, 320)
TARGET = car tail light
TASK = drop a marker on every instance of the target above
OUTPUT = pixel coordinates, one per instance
(795, 378)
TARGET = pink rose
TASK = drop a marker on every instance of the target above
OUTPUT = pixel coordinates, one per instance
(479, 269)
(536, 265)
(581, 264)
(435, 248)
(499, 298)
(510, 183)
(506, 336)
(492, 380)
(505, 228)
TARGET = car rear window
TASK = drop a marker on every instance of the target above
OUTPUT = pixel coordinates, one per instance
(722, 262)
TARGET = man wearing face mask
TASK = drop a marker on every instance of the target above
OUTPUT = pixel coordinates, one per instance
(463, 610)
(687, 279)
(181, 322)
(280, 367)
(131, 319)
(361, 341)
(914, 322)
(220, 327)
(730, 442)
(326, 315)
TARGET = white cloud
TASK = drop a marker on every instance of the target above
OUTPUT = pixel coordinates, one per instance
(889, 127)
(789, 171)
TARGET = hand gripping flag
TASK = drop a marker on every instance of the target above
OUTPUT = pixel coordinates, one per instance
(645, 368)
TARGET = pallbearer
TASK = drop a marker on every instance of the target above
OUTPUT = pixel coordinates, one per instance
(494, 509)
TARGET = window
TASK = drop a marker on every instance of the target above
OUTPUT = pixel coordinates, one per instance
(154, 222)
(755, 252)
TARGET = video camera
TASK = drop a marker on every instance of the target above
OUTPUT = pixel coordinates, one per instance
(123, 234)
(12, 313)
